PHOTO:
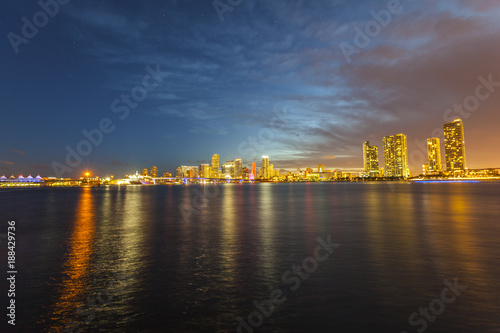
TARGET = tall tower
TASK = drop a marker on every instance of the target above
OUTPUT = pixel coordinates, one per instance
(215, 166)
(254, 169)
(238, 168)
(265, 167)
(154, 171)
(396, 156)
(434, 153)
(454, 144)
(370, 160)
(321, 168)
(145, 172)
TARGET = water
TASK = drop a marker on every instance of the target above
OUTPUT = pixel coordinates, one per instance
(128, 259)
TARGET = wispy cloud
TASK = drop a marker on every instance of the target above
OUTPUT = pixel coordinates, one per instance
(18, 152)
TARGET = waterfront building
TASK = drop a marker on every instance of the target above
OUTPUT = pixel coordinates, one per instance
(205, 171)
(187, 172)
(144, 172)
(370, 160)
(454, 143)
(396, 156)
(227, 170)
(434, 156)
(254, 169)
(154, 171)
(265, 167)
(321, 168)
(215, 166)
(238, 168)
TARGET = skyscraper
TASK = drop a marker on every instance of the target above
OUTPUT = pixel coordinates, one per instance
(265, 167)
(154, 171)
(370, 160)
(454, 144)
(145, 172)
(321, 168)
(227, 170)
(215, 166)
(396, 156)
(434, 154)
(205, 171)
(254, 169)
(238, 168)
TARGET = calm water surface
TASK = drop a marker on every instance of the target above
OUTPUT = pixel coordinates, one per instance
(127, 259)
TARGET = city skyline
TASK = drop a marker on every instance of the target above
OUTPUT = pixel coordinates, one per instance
(295, 96)
(393, 162)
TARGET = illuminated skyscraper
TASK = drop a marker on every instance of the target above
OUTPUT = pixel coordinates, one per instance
(154, 171)
(228, 170)
(254, 169)
(370, 160)
(144, 172)
(187, 171)
(238, 168)
(434, 153)
(215, 166)
(454, 144)
(396, 156)
(321, 168)
(205, 171)
(265, 167)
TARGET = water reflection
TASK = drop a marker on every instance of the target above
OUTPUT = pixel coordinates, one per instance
(77, 265)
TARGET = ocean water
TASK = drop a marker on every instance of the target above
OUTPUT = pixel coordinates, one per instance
(299, 257)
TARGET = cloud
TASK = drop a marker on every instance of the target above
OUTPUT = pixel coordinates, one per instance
(18, 152)
(7, 162)
(328, 157)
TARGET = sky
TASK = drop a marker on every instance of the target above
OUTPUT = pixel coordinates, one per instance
(118, 86)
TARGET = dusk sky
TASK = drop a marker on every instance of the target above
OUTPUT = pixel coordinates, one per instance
(223, 81)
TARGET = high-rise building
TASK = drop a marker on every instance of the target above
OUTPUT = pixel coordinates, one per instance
(145, 172)
(238, 168)
(215, 166)
(227, 170)
(254, 169)
(370, 160)
(154, 172)
(434, 154)
(454, 144)
(271, 170)
(187, 172)
(321, 168)
(265, 167)
(396, 156)
(205, 170)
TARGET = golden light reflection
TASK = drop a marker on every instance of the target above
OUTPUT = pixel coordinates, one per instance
(459, 234)
(266, 213)
(77, 266)
(229, 237)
